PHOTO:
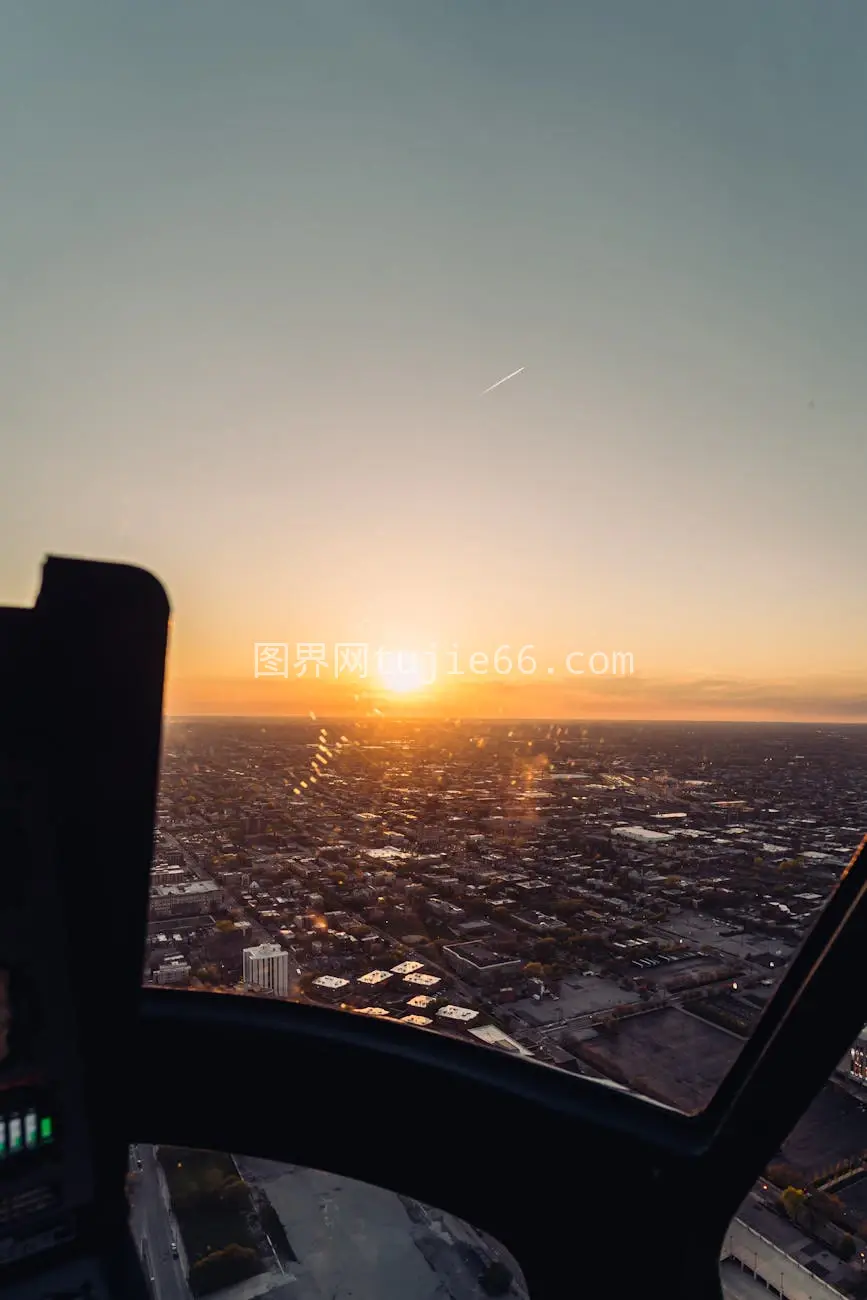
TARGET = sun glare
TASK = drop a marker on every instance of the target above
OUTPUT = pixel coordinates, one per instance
(404, 673)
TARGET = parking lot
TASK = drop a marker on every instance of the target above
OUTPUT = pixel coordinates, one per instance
(835, 1126)
(681, 1058)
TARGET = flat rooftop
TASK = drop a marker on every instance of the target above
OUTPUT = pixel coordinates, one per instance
(457, 1014)
(185, 890)
(581, 995)
(263, 951)
(640, 835)
(479, 954)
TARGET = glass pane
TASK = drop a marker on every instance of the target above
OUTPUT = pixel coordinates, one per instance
(802, 1231)
(448, 878)
(454, 375)
(217, 1220)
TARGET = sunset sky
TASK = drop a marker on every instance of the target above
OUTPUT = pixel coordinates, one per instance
(260, 260)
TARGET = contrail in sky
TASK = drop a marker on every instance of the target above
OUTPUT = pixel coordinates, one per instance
(503, 380)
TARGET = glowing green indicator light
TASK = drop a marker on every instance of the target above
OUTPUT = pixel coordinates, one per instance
(46, 1128)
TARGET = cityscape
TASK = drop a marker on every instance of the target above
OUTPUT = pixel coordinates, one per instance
(618, 900)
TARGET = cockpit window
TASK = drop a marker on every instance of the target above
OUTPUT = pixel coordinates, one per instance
(487, 388)
(444, 876)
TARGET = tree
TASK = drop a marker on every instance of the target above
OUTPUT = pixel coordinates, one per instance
(234, 1192)
(223, 1268)
(847, 1247)
(793, 1200)
(211, 1181)
(782, 1174)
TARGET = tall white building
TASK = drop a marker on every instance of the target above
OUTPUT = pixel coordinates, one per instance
(267, 967)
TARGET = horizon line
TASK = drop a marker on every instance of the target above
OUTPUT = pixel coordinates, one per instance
(572, 721)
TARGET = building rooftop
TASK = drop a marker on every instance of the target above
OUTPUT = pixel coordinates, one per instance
(263, 950)
(479, 954)
(494, 1037)
(641, 835)
(330, 982)
(463, 1014)
(179, 891)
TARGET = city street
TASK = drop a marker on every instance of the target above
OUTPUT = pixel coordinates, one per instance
(154, 1229)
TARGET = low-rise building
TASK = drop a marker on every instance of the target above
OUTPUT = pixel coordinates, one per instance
(481, 963)
(457, 1017)
(330, 986)
(173, 971)
(196, 897)
(421, 1002)
(418, 979)
(375, 978)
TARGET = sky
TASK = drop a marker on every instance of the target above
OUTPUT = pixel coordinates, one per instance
(258, 263)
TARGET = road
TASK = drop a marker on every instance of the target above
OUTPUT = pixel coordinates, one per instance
(154, 1229)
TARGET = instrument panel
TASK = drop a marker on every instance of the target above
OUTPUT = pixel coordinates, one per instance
(45, 1178)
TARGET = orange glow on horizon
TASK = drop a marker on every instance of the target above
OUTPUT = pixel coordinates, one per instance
(838, 700)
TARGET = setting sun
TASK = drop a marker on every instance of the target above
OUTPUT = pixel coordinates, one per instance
(402, 672)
